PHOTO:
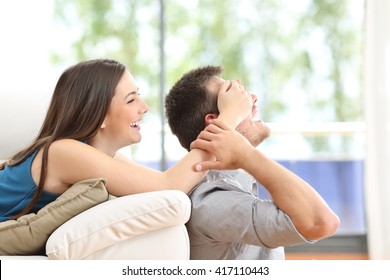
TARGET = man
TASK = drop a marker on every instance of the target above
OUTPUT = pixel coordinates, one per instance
(228, 220)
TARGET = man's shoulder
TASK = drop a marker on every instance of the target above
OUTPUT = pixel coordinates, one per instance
(218, 179)
(223, 180)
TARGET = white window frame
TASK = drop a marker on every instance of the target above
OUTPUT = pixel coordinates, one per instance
(377, 116)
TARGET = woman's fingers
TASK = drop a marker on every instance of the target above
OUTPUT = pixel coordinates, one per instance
(216, 123)
(202, 144)
(207, 165)
(226, 86)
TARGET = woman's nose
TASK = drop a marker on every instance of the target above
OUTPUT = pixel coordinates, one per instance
(144, 108)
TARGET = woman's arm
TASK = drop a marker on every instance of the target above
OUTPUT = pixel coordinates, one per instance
(71, 161)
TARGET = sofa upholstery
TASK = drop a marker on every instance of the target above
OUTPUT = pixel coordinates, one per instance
(141, 226)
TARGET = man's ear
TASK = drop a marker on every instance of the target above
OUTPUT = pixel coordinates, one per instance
(209, 117)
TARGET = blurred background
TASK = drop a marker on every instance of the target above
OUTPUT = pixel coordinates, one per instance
(318, 67)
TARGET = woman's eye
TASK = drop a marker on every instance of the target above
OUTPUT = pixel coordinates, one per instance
(130, 101)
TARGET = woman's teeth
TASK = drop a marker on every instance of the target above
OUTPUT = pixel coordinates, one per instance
(135, 124)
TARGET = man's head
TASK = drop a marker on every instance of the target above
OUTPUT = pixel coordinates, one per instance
(192, 102)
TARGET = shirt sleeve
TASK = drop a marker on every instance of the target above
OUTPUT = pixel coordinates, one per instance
(226, 214)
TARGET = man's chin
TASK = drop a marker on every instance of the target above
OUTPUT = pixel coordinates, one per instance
(264, 132)
(263, 126)
(259, 140)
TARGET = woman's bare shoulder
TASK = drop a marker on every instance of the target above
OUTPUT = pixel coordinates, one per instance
(72, 161)
(66, 142)
(71, 147)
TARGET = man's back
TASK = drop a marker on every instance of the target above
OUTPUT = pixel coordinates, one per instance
(229, 221)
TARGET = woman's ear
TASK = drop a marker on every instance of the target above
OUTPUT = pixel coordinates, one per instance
(209, 117)
(103, 125)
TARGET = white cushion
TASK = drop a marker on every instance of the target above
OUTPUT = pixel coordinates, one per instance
(170, 243)
(117, 220)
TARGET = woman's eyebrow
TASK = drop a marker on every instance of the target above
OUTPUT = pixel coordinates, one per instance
(131, 93)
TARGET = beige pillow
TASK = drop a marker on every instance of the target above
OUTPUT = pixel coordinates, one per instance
(28, 234)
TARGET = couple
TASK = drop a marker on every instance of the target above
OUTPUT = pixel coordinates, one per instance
(96, 109)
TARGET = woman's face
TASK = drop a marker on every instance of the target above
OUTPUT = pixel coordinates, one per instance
(122, 123)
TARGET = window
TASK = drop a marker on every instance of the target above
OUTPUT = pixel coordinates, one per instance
(304, 60)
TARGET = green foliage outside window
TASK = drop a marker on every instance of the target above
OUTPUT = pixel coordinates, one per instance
(302, 58)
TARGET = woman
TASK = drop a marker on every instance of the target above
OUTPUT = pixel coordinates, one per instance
(96, 110)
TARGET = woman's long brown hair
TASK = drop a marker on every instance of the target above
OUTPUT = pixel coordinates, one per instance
(78, 107)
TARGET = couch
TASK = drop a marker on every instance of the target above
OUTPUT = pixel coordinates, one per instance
(141, 226)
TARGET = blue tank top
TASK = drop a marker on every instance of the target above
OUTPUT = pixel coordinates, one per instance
(17, 188)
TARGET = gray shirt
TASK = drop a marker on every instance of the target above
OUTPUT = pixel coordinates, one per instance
(229, 221)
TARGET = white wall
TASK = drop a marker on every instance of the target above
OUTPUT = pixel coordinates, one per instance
(377, 107)
(26, 78)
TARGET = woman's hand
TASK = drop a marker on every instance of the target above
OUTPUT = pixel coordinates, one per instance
(230, 148)
(234, 103)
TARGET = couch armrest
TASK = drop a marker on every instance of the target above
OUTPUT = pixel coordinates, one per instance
(116, 220)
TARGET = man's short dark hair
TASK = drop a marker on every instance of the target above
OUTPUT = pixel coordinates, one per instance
(188, 102)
